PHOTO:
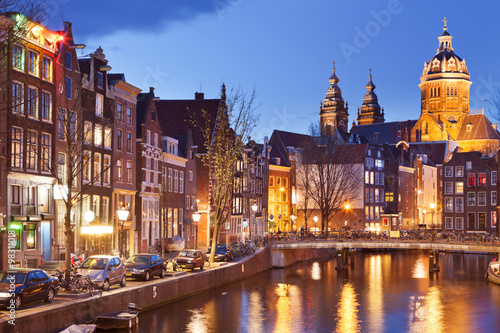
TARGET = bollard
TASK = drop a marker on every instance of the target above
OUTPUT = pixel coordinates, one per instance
(352, 258)
(431, 262)
(339, 260)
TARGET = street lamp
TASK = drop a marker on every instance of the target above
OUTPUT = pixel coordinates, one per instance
(122, 217)
(424, 212)
(196, 219)
(254, 209)
(433, 207)
(315, 219)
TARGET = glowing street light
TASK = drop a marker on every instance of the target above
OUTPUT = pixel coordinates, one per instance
(122, 217)
(196, 219)
(315, 219)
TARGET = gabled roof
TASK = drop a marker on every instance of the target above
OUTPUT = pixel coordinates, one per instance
(436, 151)
(480, 129)
(143, 102)
(289, 139)
(382, 133)
(115, 77)
(350, 153)
(175, 117)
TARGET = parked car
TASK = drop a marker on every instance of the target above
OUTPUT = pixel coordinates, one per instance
(145, 266)
(104, 270)
(30, 285)
(190, 259)
(222, 253)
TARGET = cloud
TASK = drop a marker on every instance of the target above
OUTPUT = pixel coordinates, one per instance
(103, 17)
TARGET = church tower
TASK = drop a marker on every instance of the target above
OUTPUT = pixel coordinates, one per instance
(333, 114)
(444, 89)
(370, 110)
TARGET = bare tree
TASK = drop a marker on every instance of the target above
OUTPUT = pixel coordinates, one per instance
(223, 139)
(332, 178)
(304, 185)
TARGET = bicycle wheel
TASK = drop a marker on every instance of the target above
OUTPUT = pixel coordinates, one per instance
(95, 290)
(78, 285)
(207, 263)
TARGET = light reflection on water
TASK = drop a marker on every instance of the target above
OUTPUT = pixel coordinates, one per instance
(383, 292)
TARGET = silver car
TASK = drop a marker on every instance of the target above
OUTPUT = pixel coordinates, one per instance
(104, 270)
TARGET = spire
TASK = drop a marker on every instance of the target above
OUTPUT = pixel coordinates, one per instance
(445, 38)
(370, 110)
(333, 79)
(370, 86)
(334, 112)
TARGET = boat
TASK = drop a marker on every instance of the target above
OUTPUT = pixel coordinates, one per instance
(82, 328)
(119, 320)
(493, 272)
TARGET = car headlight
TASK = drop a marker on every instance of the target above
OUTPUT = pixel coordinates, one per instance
(98, 276)
(189, 261)
(5, 294)
(138, 270)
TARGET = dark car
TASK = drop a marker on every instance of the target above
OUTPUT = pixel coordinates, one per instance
(30, 285)
(145, 266)
(191, 259)
(222, 253)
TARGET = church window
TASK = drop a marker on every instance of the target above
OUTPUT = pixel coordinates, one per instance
(399, 134)
(452, 119)
(469, 127)
(426, 130)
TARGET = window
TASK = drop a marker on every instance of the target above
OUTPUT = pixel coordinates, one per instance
(468, 165)
(459, 223)
(285, 182)
(494, 219)
(32, 107)
(129, 171)
(459, 205)
(119, 139)
(106, 171)
(193, 203)
(33, 62)
(459, 171)
(176, 181)
(96, 206)
(369, 162)
(459, 188)
(46, 106)
(87, 132)
(389, 196)
(17, 148)
(448, 222)
(17, 97)
(68, 87)
(47, 69)
(181, 182)
(372, 177)
(99, 80)
(129, 119)
(32, 153)
(61, 167)
(379, 163)
(471, 221)
(97, 168)
(148, 137)
(493, 178)
(376, 178)
(448, 188)
(67, 60)
(376, 194)
(481, 198)
(18, 57)
(271, 195)
(119, 171)
(271, 181)
(86, 166)
(367, 195)
(493, 198)
(170, 180)
(105, 209)
(190, 175)
(448, 171)
(284, 196)
(188, 205)
(481, 179)
(31, 236)
(471, 179)
(129, 142)
(448, 202)
(46, 146)
(99, 105)
(471, 199)
(481, 218)
(97, 135)
(107, 137)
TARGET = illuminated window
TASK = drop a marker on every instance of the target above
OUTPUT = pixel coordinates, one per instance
(97, 168)
(17, 97)
(46, 146)
(119, 171)
(46, 109)
(107, 137)
(493, 198)
(471, 179)
(32, 153)
(129, 171)
(97, 135)
(459, 171)
(481, 179)
(86, 166)
(106, 171)
(99, 105)
(47, 69)
(17, 148)
(18, 57)
(33, 62)
(99, 80)
(459, 188)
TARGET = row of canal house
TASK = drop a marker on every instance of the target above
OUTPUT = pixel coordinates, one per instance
(68, 123)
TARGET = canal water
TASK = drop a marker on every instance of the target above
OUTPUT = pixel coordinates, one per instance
(382, 292)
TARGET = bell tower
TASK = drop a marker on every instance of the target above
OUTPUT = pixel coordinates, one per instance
(370, 112)
(333, 112)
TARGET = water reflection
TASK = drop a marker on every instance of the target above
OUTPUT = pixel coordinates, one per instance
(347, 310)
(418, 271)
(316, 271)
(375, 295)
(427, 312)
(197, 321)
(288, 308)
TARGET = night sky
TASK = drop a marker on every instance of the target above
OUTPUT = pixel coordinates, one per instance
(285, 49)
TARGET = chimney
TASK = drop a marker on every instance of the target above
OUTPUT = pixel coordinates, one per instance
(199, 96)
(151, 90)
(495, 126)
(67, 26)
(409, 130)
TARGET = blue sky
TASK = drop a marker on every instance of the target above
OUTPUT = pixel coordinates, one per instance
(285, 49)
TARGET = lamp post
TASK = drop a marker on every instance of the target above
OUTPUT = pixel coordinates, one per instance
(347, 207)
(196, 219)
(424, 213)
(315, 219)
(254, 209)
(122, 217)
(433, 207)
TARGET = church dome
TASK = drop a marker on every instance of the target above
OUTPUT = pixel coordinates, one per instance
(445, 63)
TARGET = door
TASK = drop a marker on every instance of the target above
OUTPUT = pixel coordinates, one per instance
(46, 240)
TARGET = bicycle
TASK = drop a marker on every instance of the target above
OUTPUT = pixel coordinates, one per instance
(172, 266)
(75, 284)
(91, 287)
(206, 263)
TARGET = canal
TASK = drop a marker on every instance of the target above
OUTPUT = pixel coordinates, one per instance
(383, 292)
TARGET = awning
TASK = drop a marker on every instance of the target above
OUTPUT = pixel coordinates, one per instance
(18, 218)
(47, 217)
(34, 218)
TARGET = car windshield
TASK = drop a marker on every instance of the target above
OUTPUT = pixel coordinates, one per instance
(220, 248)
(95, 263)
(17, 278)
(190, 254)
(139, 260)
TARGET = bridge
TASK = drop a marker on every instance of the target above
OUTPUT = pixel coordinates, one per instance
(287, 253)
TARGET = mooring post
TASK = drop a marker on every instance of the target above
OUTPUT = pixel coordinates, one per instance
(345, 257)
(352, 258)
(431, 261)
(339, 260)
